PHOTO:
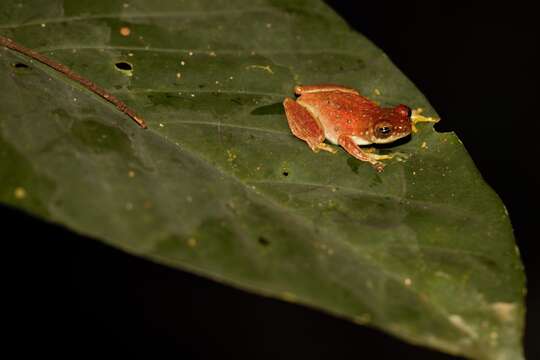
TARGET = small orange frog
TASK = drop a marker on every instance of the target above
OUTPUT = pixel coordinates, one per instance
(344, 117)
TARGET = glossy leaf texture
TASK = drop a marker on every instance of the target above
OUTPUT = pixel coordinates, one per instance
(218, 185)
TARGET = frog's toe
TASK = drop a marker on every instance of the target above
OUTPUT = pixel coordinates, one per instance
(397, 155)
(326, 147)
(377, 165)
(381, 157)
(416, 117)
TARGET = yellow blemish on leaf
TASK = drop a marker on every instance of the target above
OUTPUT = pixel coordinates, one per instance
(125, 31)
(407, 282)
(494, 337)
(231, 156)
(178, 75)
(504, 311)
(442, 274)
(287, 296)
(424, 145)
(377, 92)
(212, 54)
(459, 323)
(261, 67)
(362, 319)
(131, 173)
(192, 242)
(19, 193)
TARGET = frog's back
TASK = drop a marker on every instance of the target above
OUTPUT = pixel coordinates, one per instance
(339, 112)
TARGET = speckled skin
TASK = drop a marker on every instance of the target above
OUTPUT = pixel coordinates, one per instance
(345, 118)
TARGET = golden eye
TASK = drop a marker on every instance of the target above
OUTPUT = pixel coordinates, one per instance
(384, 131)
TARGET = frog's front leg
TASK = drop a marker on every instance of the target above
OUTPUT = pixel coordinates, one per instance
(309, 89)
(304, 126)
(347, 142)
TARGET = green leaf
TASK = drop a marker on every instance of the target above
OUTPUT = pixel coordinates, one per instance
(218, 186)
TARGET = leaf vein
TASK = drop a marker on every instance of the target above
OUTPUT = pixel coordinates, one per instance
(243, 127)
(199, 91)
(148, 15)
(239, 52)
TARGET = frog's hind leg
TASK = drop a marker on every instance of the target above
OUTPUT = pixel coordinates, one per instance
(304, 126)
(310, 89)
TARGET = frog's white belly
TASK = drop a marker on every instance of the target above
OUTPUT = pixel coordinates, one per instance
(361, 141)
(331, 135)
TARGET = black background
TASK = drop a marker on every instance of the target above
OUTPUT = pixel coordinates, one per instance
(477, 64)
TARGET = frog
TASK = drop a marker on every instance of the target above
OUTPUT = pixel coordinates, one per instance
(344, 117)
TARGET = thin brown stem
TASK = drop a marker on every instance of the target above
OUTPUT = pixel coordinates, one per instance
(120, 105)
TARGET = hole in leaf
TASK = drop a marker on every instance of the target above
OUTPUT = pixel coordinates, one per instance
(20, 66)
(285, 173)
(264, 241)
(123, 66)
(443, 127)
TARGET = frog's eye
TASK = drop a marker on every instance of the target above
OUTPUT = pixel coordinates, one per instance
(383, 130)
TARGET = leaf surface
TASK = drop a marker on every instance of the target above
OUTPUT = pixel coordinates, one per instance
(218, 186)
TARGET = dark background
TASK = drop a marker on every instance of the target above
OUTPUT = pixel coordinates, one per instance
(477, 64)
